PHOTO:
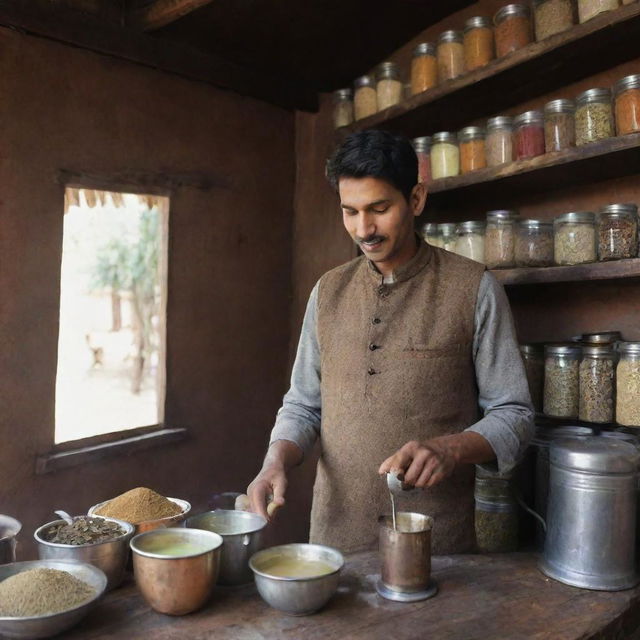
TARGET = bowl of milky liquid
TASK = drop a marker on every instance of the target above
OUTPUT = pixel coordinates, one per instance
(299, 578)
(42, 598)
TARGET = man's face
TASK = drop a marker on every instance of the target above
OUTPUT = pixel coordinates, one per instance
(380, 220)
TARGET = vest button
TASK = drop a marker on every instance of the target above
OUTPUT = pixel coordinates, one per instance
(382, 290)
(376, 321)
(373, 347)
(371, 371)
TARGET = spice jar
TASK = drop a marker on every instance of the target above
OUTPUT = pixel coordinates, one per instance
(594, 116)
(448, 236)
(389, 87)
(422, 147)
(365, 97)
(496, 513)
(424, 68)
(617, 232)
(342, 108)
(574, 238)
(561, 380)
(499, 239)
(588, 9)
(627, 105)
(551, 17)
(533, 360)
(445, 155)
(498, 144)
(470, 240)
(534, 244)
(559, 125)
(628, 384)
(597, 371)
(472, 149)
(478, 43)
(529, 135)
(450, 54)
(513, 28)
(429, 233)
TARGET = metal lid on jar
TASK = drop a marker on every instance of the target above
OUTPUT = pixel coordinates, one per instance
(535, 224)
(444, 136)
(510, 11)
(471, 226)
(500, 122)
(628, 82)
(602, 338)
(502, 215)
(364, 81)
(478, 22)
(594, 455)
(447, 228)
(388, 71)
(424, 49)
(562, 349)
(342, 94)
(471, 133)
(629, 348)
(450, 36)
(598, 351)
(620, 208)
(421, 144)
(593, 95)
(577, 216)
(529, 117)
(560, 106)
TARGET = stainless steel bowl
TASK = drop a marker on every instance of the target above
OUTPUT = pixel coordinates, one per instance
(111, 557)
(150, 525)
(297, 596)
(242, 535)
(9, 529)
(52, 624)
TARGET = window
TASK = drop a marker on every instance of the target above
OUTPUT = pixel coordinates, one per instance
(113, 289)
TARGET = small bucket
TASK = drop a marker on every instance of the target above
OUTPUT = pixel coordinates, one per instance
(9, 529)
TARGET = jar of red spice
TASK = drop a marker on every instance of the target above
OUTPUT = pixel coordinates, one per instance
(529, 134)
(478, 43)
(472, 156)
(498, 144)
(627, 105)
(559, 125)
(450, 55)
(513, 28)
(422, 147)
(424, 68)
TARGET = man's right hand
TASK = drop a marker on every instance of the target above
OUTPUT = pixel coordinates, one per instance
(268, 486)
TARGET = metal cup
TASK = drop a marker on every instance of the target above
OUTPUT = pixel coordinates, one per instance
(405, 552)
(9, 529)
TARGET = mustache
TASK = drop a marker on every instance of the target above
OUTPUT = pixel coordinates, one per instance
(369, 239)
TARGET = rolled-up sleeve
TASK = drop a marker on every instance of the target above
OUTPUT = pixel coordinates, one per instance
(503, 392)
(299, 418)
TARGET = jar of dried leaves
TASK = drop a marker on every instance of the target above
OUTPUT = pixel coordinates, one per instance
(575, 238)
(594, 116)
(628, 384)
(618, 232)
(534, 243)
(562, 380)
(597, 376)
(496, 525)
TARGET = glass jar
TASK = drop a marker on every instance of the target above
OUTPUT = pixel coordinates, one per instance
(500, 239)
(559, 125)
(597, 372)
(561, 380)
(472, 155)
(424, 68)
(628, 384)
(627, 105)
(496, 513)
(529, 134)
(551, 17)
(574, 238)
(478, 43)
(389, 86)
(422, 147)
(447, 231)
(534, 244)
(499, 141)
(365, 97)
(617, 232)
(594, 116)
(445, 155)
(533, 360)
(470, 240)
(429, 233)
(450, 54)
(513, 28)
(588, 9)
(342, 108)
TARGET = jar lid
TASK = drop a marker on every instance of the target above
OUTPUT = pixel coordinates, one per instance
(444, 136)
(628, 82)
(425, 49)
(450, 36)
(500, 122)
(577, 216)
(529, 117)
(471, 133)
(478, 22)
(364, 81)
(421, 144)
(535, 224)
(594, 455)
(511, 10)
(502, 215)
(388, 70)
(599, 351)
(430, 229)
(447, 228)
(560, 106)
(532, 349)
(342, 94)
(593, 95)
(627, 207)
(471, 226)
(630, 348)
(604, 337)
(562, 349)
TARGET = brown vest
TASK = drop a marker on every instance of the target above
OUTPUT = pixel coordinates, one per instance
(396, 365)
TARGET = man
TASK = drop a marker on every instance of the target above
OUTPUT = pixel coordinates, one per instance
(398, 349)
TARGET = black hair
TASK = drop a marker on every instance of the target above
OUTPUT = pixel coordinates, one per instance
(375, 154)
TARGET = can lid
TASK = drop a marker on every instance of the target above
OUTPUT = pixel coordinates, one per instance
(621, 435)
(593, 95)
(471, 226)
(471, 133)
(529, 117)
(511, 10)
(502, 215)
(388, 70)
(342, 94)
(560, 106)
(544, 435)
(450, 36)
(595, 455)
(536, 224)
(425, 49)
(630, 348)
(628, 82)
(364, 81)
(421, 144)
(444, 136)
(500, 122)
(601, 338)
(562, 349)
(477, 22)
(621, 207)
(577, 216)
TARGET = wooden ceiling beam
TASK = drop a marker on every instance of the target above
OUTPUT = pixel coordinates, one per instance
(160, 13)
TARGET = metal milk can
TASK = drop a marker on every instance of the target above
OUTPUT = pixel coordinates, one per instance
(591, 518)
(9, 529)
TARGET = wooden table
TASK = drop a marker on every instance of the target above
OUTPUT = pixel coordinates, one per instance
(485, 597)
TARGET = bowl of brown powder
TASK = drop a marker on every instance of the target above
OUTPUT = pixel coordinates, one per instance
(42, 598)
(143, 508)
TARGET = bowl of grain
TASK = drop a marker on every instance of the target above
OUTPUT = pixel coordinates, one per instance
(42, 598)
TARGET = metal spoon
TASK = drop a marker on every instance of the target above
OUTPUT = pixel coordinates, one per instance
(64, 515)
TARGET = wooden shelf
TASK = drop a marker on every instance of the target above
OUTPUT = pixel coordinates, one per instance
(613, 270)
(539, 68)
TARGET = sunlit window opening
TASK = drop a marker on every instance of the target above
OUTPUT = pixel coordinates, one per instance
(113, 289)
